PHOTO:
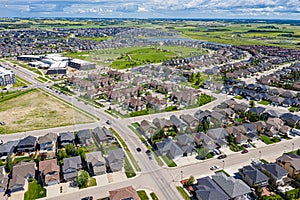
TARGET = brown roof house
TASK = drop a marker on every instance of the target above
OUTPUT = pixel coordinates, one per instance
(49, 171)
(21, 172)
(191, 121)
(124, 194)
(147, 128)
(291, 163)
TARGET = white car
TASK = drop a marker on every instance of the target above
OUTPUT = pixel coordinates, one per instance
(1, 142)
(214, 167)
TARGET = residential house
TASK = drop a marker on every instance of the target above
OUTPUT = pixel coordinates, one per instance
(290, 119)
(85, 137)
(27, 144)
(8, 148)
(147, 128)
(271, 113)
(21, 172)
(49, 172)
(276, 100)
(126, 193)
(217, 119)
(260, 126)
(103, 135)
(202, 116)
(291, 163)
(3, 179)
(47, 145)
(180, 125)
(207, 189)
(273, 126)
(275, 172)
(96, 163)
(219, 135)
(71, 167)
(162, 123)
(115, 159)
(253, 177)
(167, 147)
(189, 120)
(257, 110)
(251, 131)
(187, 144)
(66, 138)
(203, 140)
(235, 188)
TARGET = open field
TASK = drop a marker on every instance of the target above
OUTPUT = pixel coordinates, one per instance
(33, 109)
(134, 56)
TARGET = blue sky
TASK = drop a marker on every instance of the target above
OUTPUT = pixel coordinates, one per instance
(259, 9)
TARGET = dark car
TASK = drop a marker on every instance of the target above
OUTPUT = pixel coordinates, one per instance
(108, 122)
(222, 156)
(87, 198)
(138, 149)
(244, 151)
(148, 152)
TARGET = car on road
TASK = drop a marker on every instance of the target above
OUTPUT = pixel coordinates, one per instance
(25, 86)
(138, 149)
(87, 198)
(108, 122)
(214, 167)
(1, 142)
(222, 156)
(245, 151)
(2, 123)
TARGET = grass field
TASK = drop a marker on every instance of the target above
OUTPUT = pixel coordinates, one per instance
(133, 56)
(33, 109)
(35, 191)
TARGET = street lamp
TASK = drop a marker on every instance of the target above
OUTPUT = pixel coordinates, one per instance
(259, 155)
(293, 145)
(181, 173)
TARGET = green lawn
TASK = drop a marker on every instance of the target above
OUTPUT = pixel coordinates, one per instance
(293, 194)
(169, 162)
(35, 191)
(266, 139)
(238, 97)
(263, 102)
(153, 196)
(143, 195)
(183, 193)
(20, 159)
(129, 171)
(223, 172)
(273, 197)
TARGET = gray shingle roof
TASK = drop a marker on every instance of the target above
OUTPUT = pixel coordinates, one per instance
(170, 148)
(66, 136)
(115, 159)
(231, 186)
(207, 189)
(274, 169)
(254, 174)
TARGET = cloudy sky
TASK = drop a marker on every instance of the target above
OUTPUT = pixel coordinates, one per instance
(259, 9)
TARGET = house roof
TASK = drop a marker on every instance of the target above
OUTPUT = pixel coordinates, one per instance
(293, 159)
(207, 189)
(272, 113)
(254, 174)
(84, 134)
(49, 137)
(162, 123)
(66, 136)
(177, 122)
(189, 119)
(231, 186)
(48, 166)
(29, 140)
(168, 147)
(217, 133)
(205, 139)
(20, 172)
(95, 158)
(124, 193)
(71, 164)
(115, 159)
(274, 169)
(257, 110)
(102, 134)
(8, 146)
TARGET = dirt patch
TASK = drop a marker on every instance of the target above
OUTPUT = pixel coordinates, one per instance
(37, 110)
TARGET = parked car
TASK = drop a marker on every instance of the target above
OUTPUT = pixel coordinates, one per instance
(138, 149)
(214, 167)
(1, 142)
(245, 151)
(222, 156)
(108, 122)
(87, 198)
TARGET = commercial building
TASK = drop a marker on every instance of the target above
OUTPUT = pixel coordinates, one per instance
(81, 64)
(7, 77)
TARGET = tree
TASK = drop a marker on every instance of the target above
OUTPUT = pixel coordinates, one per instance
(252, 104)
(298, 152)
(82, 179)
(61, 154)
(70, 149)
(81, 151)
(202, 152)
(9, 164)
(230, 138)
(190, 181)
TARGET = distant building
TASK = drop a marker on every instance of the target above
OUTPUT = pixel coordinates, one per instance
(28, 58)
(81, 64)
(7, 77)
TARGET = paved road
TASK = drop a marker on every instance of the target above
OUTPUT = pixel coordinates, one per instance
(160, 180)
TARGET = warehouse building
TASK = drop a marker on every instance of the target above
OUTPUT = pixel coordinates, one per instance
(81, 64)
